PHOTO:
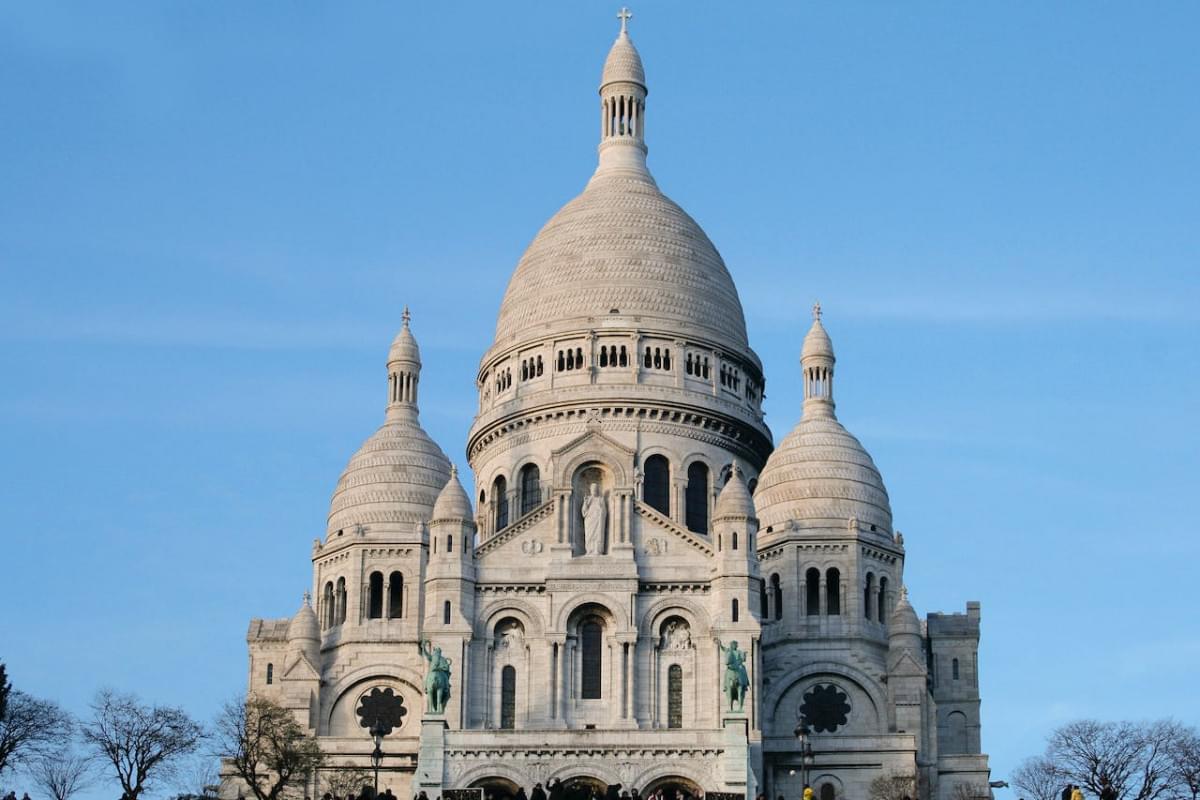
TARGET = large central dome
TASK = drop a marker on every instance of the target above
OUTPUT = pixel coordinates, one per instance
(622, 247)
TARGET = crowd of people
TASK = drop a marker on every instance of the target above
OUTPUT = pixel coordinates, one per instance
(555, 790)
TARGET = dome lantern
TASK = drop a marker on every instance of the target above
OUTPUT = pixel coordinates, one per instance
(623, 104)
(404, 370)
(816, 364)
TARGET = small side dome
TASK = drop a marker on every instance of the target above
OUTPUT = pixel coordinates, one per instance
(734, 499)
(304, 627)
(452, 503)
(624, 63)
(903, 620)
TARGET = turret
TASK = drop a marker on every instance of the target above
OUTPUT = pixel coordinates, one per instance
(404, 371)
(623, 104)
(816, 364)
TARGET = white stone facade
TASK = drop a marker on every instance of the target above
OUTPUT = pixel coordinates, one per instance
(621, 368)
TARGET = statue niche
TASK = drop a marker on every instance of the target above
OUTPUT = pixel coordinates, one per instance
(591, 519)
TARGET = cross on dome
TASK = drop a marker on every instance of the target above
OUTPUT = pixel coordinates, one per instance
(307, 598)
(624, 15)
(817, 310)
(407, 317)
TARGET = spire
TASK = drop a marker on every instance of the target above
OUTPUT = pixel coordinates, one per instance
(816, 365)
(623, 104)
(404, 369)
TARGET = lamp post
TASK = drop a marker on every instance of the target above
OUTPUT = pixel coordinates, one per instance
(378, 731)
(806, 753)
(380, 712)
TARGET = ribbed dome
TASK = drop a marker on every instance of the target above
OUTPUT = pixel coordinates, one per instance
(303, 626)
(817, 341)
(820, 472)
(734, 499)
(622, 245)
(452, 502)
(393, 479)
(404, 346)
(623, 63)
(903, 620)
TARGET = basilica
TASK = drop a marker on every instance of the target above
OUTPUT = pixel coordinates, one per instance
(641, 588)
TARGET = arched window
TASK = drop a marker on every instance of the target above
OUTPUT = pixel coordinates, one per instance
(531, 488)
(954, 669)
(500, 499)
(327, 609)
(812, 592)
(833, 591)
(657, 488)
(446, 613)
(956, 733)
(869, 595)
(675, 696)
(449, 542)
(828, 792)
(733, 610)
(883, 585)
(508, 697)
(375, 596)
(341, 601)
(762, 600)
(777, 595)
(624, 360)
(591, 634)
(270, 674)
(696, 497)
(395, 595)
(648, 360)
(734, 537)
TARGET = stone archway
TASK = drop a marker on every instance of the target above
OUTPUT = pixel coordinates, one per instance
(583, 787)
(673, 787)
(496, 788)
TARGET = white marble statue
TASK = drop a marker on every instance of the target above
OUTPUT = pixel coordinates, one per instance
(595, 513)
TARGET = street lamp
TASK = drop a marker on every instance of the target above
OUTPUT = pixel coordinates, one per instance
(806, 753)
(380, 712)
(378, 731)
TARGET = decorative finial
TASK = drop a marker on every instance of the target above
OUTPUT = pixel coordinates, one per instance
(734, 469)
(453, 472)
(817, 311)
(624, 15)
(407, 317)
(307, 598)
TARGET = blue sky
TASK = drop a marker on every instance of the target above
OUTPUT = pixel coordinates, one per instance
(212, 214)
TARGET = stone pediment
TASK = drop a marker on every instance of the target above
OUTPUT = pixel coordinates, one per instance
(592, 446)
(528, 537)
(906, 665)
(299, 668)
(658, 535)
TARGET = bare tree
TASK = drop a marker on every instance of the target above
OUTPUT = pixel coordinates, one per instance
(1133, 759)
(62, 774)
(143, 743)
(1038, 778)
(1185, 764)
(893, 786)
(266, 746)
(345, 780)
(964, 790)
(28, 727)
(199, 776)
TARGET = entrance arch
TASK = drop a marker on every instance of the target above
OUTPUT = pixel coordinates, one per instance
(674, 787)
(496, 788)
(583, 787)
